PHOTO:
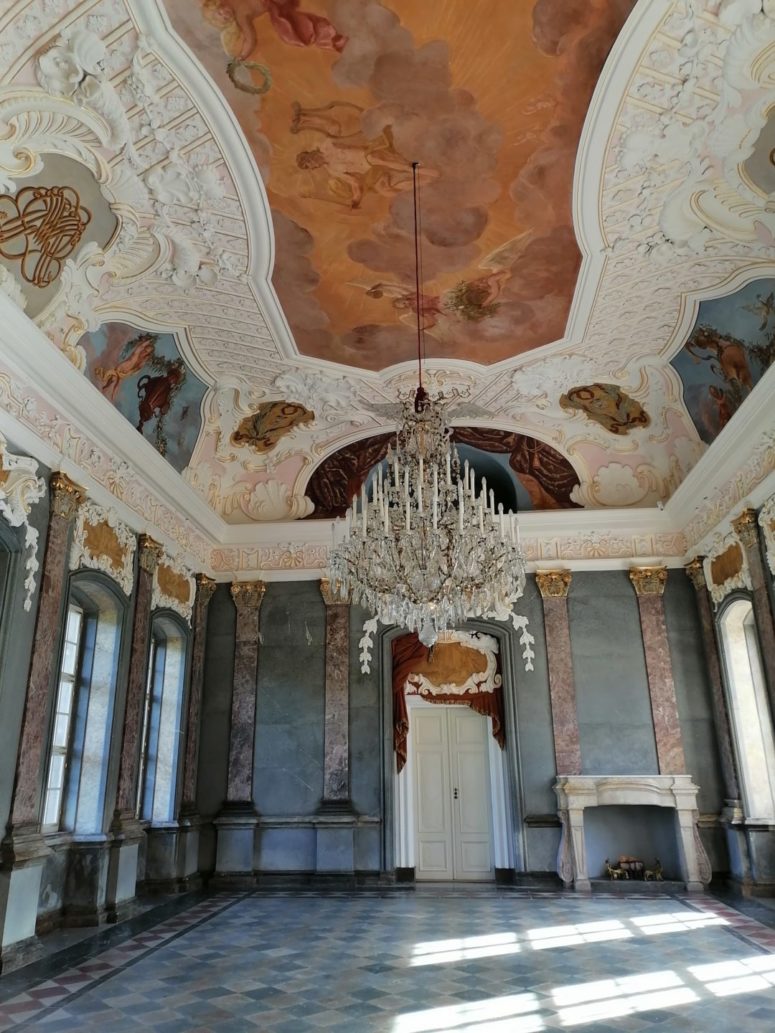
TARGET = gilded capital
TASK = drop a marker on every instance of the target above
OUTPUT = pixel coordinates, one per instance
(149, 553)
(746, 527)
(205, 586)
(248, 595)
(695, 571)
(553, 584)
(331, 596)
(66, 496)
(648, 580)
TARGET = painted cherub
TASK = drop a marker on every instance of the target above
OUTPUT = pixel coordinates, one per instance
(134, 356)
(237, 19)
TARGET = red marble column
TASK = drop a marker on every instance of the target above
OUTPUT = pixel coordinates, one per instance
(553, 586)
(649, 585)
(204, 592)
(65, 498)
(247, 596)
(336, 763)
(746, 528)
(696, 574)
(149, 554)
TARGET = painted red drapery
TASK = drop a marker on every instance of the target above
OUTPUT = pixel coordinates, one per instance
(407, 651)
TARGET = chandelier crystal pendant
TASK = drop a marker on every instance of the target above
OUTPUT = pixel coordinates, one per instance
(424, 547)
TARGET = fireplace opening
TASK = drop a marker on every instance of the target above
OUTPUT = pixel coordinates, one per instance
(638, 831)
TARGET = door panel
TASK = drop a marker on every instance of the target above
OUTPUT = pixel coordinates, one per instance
(433, 810)
(452, 794)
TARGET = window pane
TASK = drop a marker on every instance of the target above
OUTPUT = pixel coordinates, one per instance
(73, 629)
(65, 696)
(61, 723)
(51, 812)
(69, 657)
(56, 771)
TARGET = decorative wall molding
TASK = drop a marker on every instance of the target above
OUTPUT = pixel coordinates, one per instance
(174, 588)
(20, 489)
(487, 680)
(726, 567)
(767, 524)
(101, 541)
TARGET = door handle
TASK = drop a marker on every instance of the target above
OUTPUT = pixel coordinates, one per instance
(454, 793)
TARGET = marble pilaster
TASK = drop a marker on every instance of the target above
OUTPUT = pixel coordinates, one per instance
(696, 574)
(247, 597)
(649, 585)
(553, 586)
(205, 587)
(65, 499)
(23, 849)
(126, 829)
(746, 527)
(237, 822)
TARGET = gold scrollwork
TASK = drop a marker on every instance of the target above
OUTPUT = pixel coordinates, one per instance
(40, 228)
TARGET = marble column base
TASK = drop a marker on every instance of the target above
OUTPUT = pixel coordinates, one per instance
(128, 834)
(24, 854)
(86, 883)
(335, 844)
(235, 852)
(172, 856)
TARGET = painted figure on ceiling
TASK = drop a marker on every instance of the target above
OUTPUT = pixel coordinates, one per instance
(727, 354)
(469, 300)
(155, 395)
(237, 21)
(270, 423)
(607, 405)
(134, 355)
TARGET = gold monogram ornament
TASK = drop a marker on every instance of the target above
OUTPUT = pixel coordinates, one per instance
(40, 228)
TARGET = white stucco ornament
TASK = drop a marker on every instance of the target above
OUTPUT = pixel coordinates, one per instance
(20, 489)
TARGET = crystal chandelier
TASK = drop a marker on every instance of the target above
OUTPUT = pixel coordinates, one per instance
(424, 547)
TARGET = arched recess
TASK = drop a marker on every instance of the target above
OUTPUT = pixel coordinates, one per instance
(83, 733)
(506, 788)
(161, 753)
(752, 721)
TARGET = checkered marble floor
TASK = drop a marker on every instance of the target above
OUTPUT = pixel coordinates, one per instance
(421, 962)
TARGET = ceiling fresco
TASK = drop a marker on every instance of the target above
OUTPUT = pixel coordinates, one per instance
(338, 98)
(145, 376)
(599, 279)
(730, 348)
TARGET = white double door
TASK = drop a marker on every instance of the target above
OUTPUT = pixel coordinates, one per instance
(453, 806)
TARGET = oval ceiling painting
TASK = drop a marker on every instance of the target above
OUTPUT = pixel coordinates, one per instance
(338, 98)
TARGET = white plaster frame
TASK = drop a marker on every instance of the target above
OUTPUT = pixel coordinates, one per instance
(576, 793)
(502, 823)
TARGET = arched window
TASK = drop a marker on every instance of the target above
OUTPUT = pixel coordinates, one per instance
(74, 797)
(749, 709)
(162, 719)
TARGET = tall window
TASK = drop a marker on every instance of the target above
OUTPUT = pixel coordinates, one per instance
(60, 738)
(162, 732)
(749, 710)
(76, 776)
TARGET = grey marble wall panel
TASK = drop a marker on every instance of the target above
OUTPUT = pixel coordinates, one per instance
(286, 850)
(288, 770)
(612, 693)
(692, 691)
(52, 882)
(216, 703)
(17, 626)
(367, 849)
(541, 846)
(366, 727)
(533, 711)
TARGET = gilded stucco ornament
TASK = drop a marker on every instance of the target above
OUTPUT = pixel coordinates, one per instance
(746, 527)
(695, 571)
(205, 589)
(150, 553)
(648, 580)
(174, 588)
(20, 489)
(248, 596)
(553, 584)
(66, 496)
(726, 567)
(101, 541)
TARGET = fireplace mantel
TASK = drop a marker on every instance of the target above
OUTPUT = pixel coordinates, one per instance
(575, 793)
